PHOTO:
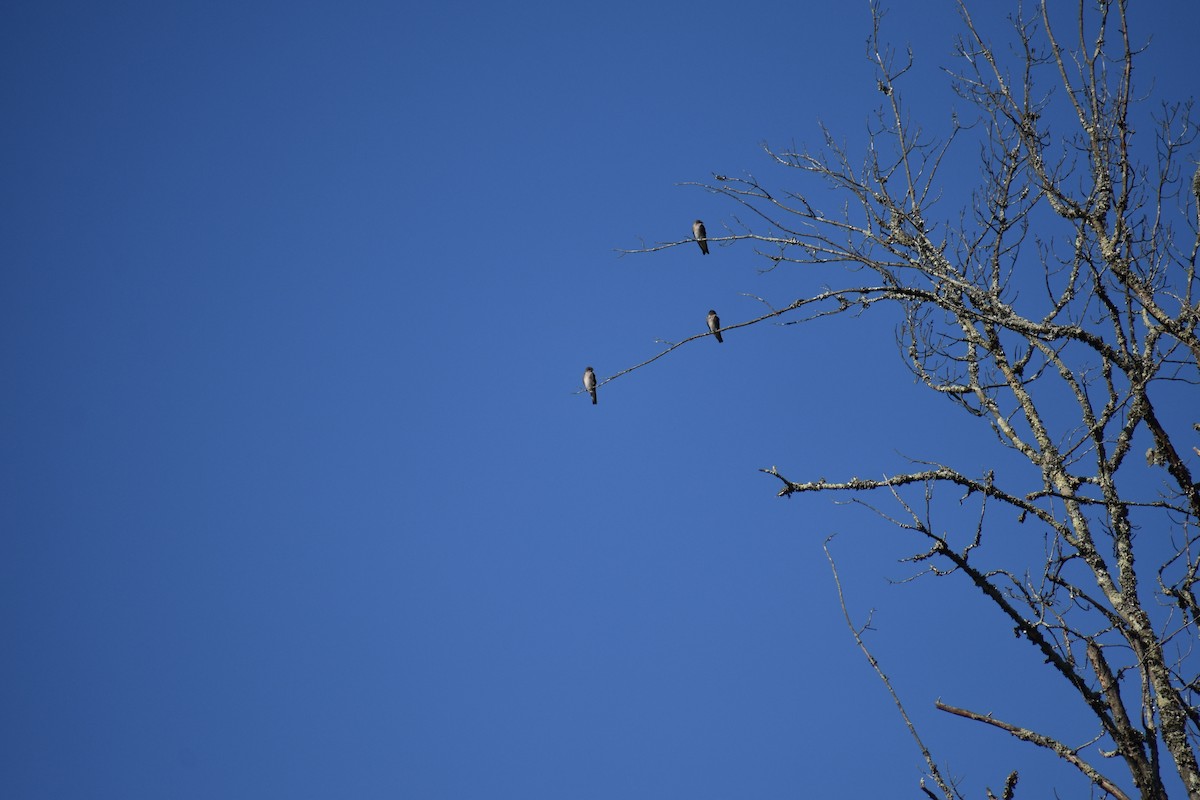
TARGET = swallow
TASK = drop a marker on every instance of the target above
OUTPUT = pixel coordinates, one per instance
(701, 236)
(589, 383)
(714, 324)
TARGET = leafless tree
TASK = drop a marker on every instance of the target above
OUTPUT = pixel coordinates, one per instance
(1088, 373)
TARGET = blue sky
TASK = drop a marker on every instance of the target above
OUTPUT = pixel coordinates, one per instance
(300, 498)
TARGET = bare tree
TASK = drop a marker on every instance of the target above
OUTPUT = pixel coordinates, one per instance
(1084, 186)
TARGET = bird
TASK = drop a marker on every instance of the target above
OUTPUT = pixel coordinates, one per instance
(589, 383)
(714, 324)
(701, 236)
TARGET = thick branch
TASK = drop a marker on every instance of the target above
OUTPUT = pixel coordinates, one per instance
(1041, 740)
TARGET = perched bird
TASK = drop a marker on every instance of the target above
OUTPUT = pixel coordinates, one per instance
(701, 236)
(589, 383)
(714, 324)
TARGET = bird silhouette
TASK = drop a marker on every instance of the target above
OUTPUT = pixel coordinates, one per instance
(714, 324)
(701, 236)
(589, 383)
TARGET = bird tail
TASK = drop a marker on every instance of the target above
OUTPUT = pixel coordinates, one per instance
(718, 335)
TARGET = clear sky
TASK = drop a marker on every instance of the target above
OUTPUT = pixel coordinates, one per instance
(300, 500)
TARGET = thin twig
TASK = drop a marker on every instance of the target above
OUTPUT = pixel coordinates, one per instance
(934, 772)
